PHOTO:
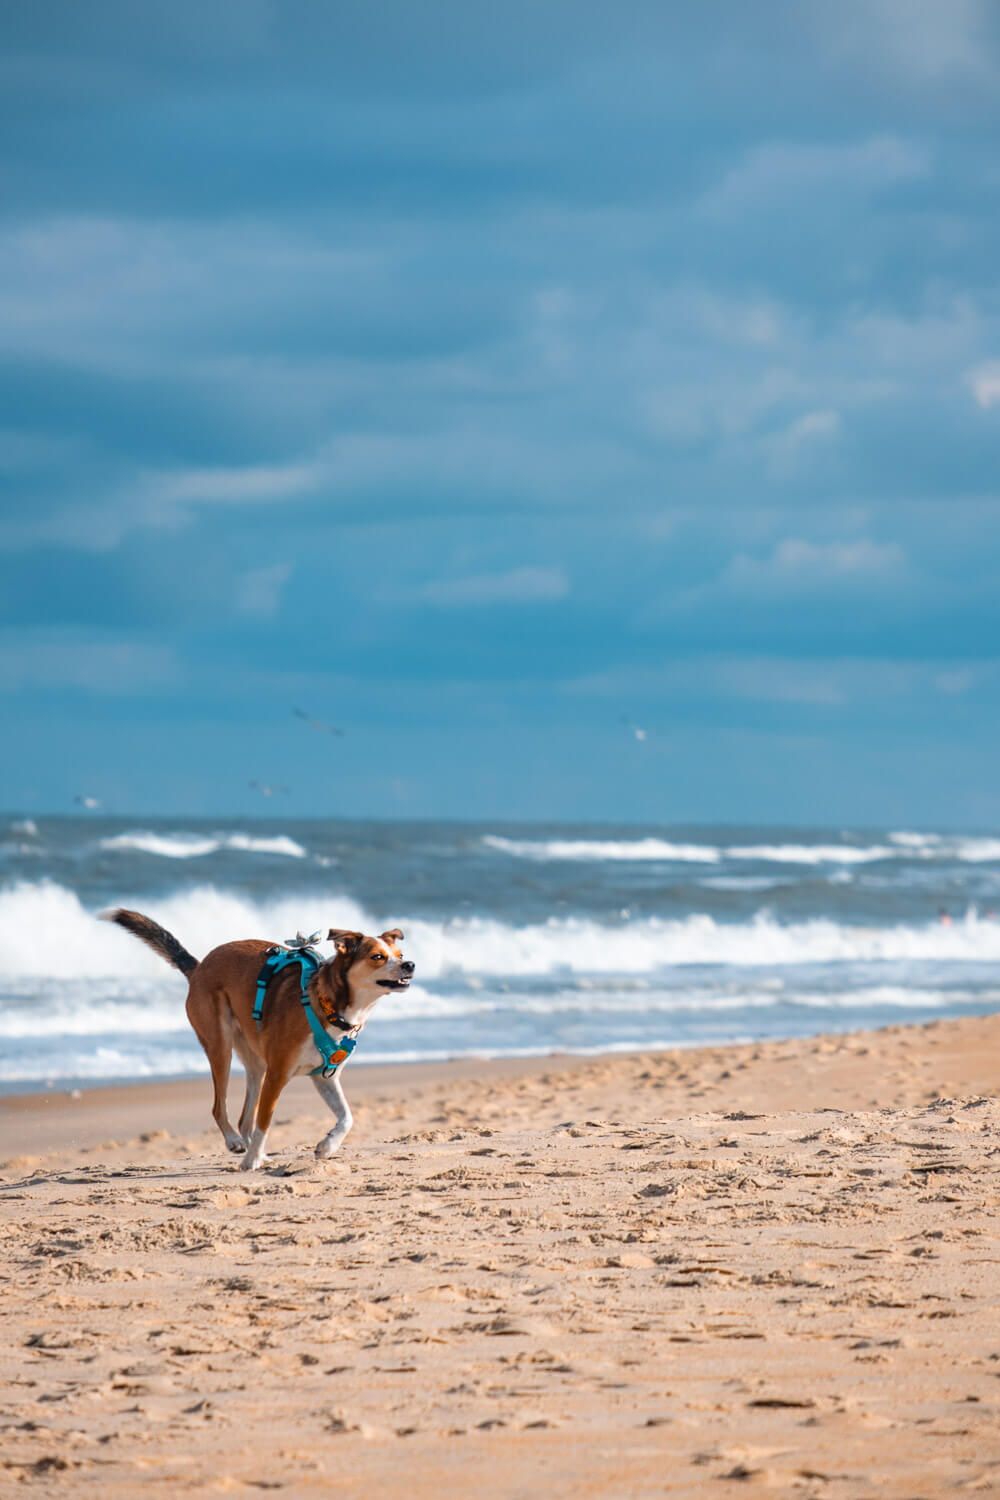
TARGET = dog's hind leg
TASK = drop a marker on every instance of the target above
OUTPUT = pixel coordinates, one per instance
(254, 1068)
(332, 1093)
(214, 1031)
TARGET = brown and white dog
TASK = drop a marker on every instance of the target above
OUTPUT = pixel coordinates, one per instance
(220, 1000)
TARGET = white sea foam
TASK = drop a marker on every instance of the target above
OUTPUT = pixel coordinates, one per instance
(900, 846)
(967, 847)
(194, 845)
(599, 849)
(707, 854)
(149, 1008)
(810, 854)
(481, 946)
(148, 1018)
(977, 851)
(422, 1005)
(46, 932)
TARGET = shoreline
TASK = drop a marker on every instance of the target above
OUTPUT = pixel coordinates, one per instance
(83, 1114)
(78, 1114)
(77, 1087)
(65, 1088)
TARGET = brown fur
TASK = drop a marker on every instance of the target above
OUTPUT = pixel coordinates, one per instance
(221, 992)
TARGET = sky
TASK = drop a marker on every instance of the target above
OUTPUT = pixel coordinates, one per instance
(493, 381)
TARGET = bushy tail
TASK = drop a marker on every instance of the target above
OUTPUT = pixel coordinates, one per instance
(154, 936)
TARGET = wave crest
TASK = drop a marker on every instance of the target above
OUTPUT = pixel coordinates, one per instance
(922, 846)
(45, 931)
(707, 854)
(647, 848)
(194, 845)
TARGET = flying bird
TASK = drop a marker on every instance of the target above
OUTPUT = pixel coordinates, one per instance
(642, 735)
(319, 724)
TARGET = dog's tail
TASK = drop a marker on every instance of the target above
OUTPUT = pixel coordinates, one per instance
(154, 936)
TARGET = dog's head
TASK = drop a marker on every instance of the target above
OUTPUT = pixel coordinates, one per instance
(365, 968)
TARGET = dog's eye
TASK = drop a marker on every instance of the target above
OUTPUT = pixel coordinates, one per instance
(378, 958)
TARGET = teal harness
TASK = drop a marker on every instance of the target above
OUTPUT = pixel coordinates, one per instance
(334, 1054)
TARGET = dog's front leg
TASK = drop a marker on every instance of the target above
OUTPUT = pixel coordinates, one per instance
(333, 1094)
(255, 1156)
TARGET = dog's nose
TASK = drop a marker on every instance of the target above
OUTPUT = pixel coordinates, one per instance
(408, 966)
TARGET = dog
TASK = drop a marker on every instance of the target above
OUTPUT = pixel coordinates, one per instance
(221, 990)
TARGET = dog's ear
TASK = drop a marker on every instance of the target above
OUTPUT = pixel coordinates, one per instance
(344, 941)
(393, 935)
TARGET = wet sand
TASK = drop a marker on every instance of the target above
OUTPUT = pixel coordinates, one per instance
(738, 1269)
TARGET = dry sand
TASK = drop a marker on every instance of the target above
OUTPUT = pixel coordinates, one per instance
(764, 1268)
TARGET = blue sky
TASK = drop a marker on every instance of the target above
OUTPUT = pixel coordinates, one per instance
(489, 379)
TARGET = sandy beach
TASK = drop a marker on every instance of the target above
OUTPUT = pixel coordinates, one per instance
(768, 1267)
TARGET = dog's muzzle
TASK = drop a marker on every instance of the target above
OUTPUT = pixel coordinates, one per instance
(403, 982)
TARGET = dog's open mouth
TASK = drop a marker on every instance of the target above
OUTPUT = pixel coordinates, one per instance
(393, 984)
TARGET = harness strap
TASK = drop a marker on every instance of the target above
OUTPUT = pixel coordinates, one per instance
(275, 960)
(334, 1054)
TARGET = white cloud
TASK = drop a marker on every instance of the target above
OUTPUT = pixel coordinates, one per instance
(517, 586)
(794, 569)
(813, 425)
(985, 384)
(947, 330)
(259, 590)
(166, 500)
(129, 294)
(956, 682)
(771, 680)
(921, 41)
(260, 483)
(110, 667)
(787, 169)
(817, 682)
(796, 563)
(787, 450)
(689, 407)
(699, 313)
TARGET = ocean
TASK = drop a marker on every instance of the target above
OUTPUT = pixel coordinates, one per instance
(527, 939)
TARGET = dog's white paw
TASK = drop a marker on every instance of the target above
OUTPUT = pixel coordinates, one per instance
(327, 1147)
(237, 1145)
(256, 1155)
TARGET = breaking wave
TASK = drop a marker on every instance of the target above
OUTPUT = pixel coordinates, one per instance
(81, 1000)
(46, 931)
(649, 848)
(706, 854)
(922, 846)
(194, 845)
(938, 846)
